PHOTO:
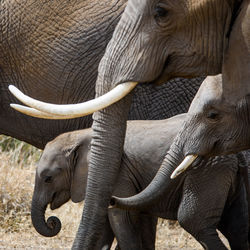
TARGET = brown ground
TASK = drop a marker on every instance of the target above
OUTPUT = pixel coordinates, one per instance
(16, 232)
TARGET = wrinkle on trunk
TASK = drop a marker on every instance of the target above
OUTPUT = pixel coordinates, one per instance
(48, 229)
(158, 186)
(108, 135)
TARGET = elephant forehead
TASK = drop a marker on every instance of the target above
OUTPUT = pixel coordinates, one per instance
(209, 93)
(50, 162)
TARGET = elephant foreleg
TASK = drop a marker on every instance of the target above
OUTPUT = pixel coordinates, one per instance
(148, 231)
(125, 227)
(210, 240)
(203, 202)
(107, 238)
(234, 222)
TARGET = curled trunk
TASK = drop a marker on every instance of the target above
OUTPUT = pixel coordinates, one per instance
(48, 229)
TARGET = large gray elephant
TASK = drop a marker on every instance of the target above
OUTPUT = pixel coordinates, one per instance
(153, 42)
(51, 50)
(218, 120)
(208, 197)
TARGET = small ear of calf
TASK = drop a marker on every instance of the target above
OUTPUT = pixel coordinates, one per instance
(80, 173)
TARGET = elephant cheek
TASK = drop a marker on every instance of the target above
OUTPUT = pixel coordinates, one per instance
(59, 199)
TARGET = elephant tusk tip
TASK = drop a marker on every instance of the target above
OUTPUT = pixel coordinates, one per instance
(175, 174)
(10, 86)
(14, 105)
(12, 89)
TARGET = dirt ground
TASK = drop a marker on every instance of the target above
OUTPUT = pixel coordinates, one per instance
(16, 232)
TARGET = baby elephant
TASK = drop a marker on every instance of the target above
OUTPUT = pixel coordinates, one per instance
(207, 197)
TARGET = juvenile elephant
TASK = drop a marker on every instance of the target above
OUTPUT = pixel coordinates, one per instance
(208, 197)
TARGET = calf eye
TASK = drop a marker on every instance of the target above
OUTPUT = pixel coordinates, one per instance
(48, 179)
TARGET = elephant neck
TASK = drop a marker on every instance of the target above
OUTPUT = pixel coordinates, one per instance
(235, 71)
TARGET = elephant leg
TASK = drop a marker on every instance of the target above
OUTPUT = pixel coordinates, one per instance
(210, 240)
(234, 222)
(207, 237)
(202, 204)
(107, 238)
(148, 231)
(125, 227)
(201, 226)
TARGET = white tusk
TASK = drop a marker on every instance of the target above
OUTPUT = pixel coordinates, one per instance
(189, 159)
(80, 109)
(36, 113)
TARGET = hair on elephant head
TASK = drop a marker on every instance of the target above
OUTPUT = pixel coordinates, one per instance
(61, 175)
(153, 41)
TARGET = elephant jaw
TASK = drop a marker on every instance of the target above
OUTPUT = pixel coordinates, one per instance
(68, 111)
(58, 199)
(186, 163)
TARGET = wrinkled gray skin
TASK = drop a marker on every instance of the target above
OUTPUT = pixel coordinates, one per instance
(51, 51)
(218, 118)
(208, 197)
(153, 42)
(60, 65)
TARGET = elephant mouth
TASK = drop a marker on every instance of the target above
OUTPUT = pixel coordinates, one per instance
(198, 162)
(215, 147)
(53, 202)
(161, 78)
(58, 199)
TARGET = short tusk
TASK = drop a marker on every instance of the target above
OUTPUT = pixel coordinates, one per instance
(189, 159)
(36, 113)
(80, 109)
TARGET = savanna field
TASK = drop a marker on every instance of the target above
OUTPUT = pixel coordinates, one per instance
(18, 162)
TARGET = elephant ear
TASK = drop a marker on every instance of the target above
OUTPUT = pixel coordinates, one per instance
(80, 172)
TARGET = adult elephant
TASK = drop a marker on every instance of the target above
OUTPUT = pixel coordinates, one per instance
(51, 50)
(218, 120)
(153, 42)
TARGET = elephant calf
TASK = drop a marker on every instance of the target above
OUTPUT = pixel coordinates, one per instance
(209, 196)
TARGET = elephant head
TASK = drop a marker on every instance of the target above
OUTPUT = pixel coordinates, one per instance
(153, 42)
(61, 175)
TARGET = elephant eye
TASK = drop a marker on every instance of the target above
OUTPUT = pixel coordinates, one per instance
(213, 115)
(48, 179)
(160, 12)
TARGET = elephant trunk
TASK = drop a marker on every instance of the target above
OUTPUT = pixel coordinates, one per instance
(105, 157)
(48, 229)
(158, 186)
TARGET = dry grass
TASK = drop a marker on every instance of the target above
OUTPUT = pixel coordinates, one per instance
(18, 162)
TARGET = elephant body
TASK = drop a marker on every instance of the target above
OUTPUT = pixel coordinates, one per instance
(210, 196)
(51, 51)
